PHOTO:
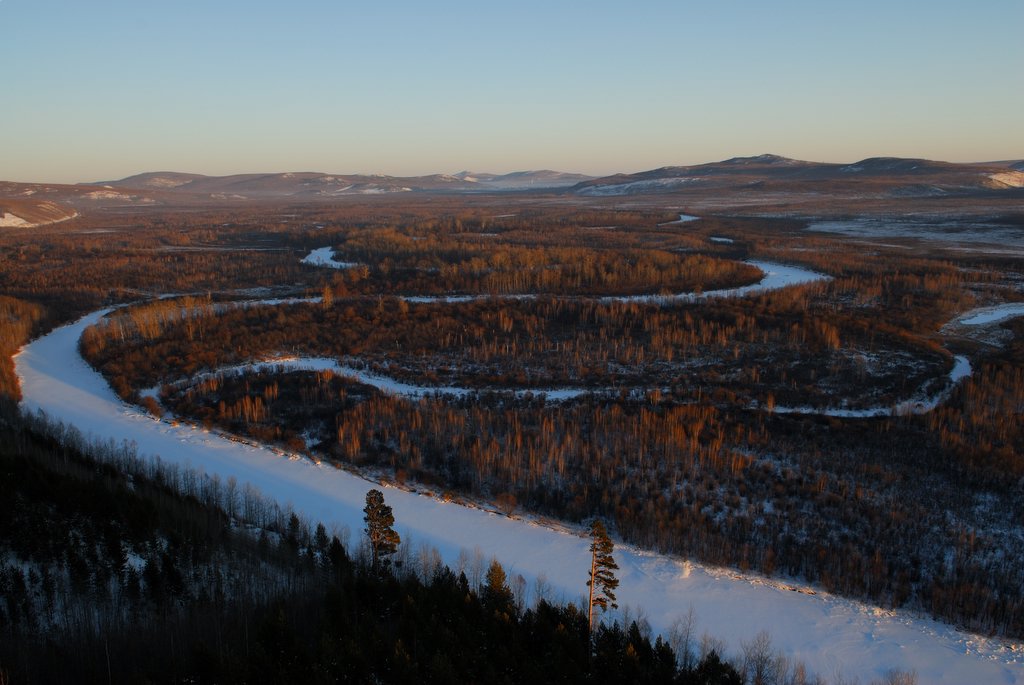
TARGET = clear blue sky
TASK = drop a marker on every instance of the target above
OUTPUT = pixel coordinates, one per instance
(102, 89)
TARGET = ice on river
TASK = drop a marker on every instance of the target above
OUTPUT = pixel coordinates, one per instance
(775, 276)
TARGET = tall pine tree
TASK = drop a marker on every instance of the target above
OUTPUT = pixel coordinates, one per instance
(602, 581)
(496, 594)
(383, 539)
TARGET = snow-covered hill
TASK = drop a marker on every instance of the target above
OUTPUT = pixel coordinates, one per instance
(28, 213)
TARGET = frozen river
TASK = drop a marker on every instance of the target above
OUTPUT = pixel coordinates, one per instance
(830, 634)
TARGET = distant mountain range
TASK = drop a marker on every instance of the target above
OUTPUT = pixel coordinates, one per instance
(893, 175)
(523, 180)
(740, 181)
(318, 185)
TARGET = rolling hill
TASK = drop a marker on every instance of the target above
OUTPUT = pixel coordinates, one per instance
(312, 185)
(877, 176)
(29, 213)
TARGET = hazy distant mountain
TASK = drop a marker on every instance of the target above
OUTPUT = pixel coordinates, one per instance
(523, 180)
(318, 185)
(309, 185)
(761, 183)
(158, 180)
(30, 204)
(881, 176)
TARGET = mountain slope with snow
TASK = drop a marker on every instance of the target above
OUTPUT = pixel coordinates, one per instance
(29, 213)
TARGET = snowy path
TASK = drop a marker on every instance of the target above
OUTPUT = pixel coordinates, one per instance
(828, 633)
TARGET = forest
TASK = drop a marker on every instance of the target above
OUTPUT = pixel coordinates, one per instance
(134, 572)
(678, 430)
(128, 579)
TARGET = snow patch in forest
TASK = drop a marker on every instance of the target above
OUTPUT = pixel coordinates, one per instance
(988, 315)
(106, 195)
(830, 634)
(324, 256)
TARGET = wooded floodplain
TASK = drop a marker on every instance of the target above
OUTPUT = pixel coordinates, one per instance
(706, 427)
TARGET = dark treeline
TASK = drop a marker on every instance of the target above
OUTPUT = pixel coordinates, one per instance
(18, 321)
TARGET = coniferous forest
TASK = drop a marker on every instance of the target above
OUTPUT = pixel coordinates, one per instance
(130, 581)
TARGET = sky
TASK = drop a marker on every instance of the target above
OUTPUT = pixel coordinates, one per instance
(100, 90)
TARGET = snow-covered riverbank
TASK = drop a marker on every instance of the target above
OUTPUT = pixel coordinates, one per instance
(383, 383)
(916, 405)
(831, 634)
(775, 276)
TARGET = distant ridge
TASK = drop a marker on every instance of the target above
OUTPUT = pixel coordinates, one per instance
(885, 176)
(766, 159)
(899, 165)
(760, 181)
(517, 180)
(161, 180)
(313, 185)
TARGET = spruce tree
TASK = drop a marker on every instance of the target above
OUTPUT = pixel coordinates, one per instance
(383, 539)
(602, 581)
(496, 594)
